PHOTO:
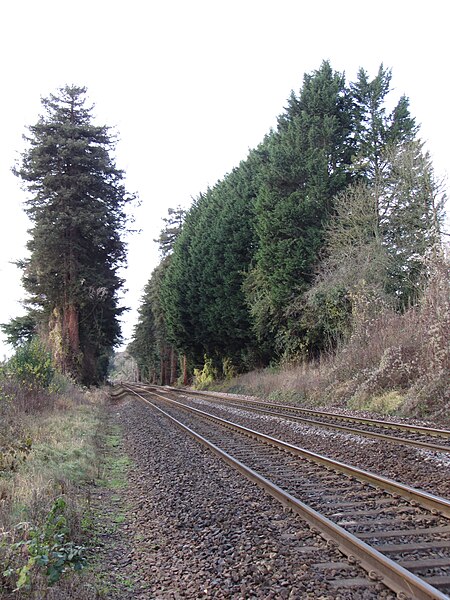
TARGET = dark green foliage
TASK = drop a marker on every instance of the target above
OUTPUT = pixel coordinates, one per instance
(202, 295)
(374, 129)
(144, 347)
(155, 355)
(20, 330)
(181, 292)
(402, 191)
(76, 206)
(338, 205)
(150, 347)
(306, 163)
(169, 234)
(410, 220)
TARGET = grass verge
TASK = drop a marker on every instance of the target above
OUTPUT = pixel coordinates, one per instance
(52, 463)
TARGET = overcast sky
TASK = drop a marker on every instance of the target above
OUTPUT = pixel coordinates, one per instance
(192, 85)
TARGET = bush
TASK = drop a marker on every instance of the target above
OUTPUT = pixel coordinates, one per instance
(31, 365)
(204, 377)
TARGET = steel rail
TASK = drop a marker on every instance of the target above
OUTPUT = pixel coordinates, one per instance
(355, 431)
(434, 503)
(421, 429)
(377, 565)
(256, 407)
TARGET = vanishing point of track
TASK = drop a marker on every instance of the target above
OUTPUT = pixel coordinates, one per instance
(399, 535)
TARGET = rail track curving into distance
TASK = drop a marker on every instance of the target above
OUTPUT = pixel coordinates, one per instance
(398, 534)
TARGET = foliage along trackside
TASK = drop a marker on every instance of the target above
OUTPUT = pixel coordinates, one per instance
(392, 363)
(46, 547)
(333, 221)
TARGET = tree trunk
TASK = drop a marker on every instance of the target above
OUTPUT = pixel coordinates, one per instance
(71, 340)
(73, 330)
(185, 376)
(173, 365)
(164, 364)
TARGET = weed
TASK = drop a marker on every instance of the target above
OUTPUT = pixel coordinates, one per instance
(387, 403)
(47, 548)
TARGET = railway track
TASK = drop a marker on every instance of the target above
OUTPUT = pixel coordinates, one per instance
(425, 438)
(399, 535)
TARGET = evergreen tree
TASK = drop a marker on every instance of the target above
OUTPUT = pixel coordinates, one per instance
(144, 345)
(377, 257)
(382, 225)
(375, 130)
(340, 180)
(155, 355)
(202, 292)
(411, 212)
(20, 330)
(171, 230)
(306, 163)
(402, 191)
(180, 293)
(76, 206)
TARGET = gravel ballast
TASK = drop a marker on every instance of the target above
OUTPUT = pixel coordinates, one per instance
(195, 528)
(419, 468)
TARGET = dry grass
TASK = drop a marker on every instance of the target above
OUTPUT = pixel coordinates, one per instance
(49, 451)
(392, 363)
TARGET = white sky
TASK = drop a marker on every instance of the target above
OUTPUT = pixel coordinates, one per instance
(192, 85)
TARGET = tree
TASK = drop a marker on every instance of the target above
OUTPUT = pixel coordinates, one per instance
(377, 244)
(180, 288)
(374, 129)
(202, 295)
(76, 205)
(20, 330)
(382, 225)
(305, 163)
(403, 194)
(144, 345)
(171, 230)
(411, 214)
(154, 353)
(354, 268)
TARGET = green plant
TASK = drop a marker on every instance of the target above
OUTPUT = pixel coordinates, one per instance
(206, 375)
(229, 370)
(31, 365)
(47, 548)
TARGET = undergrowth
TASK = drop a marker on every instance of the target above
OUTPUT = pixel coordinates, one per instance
(49, 431)
(392, 363)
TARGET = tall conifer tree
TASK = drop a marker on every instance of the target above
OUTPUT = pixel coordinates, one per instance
(306, 164)
(76, 206)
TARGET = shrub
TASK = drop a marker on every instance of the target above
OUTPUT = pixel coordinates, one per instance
(31, 365)
(205, 376)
